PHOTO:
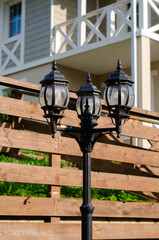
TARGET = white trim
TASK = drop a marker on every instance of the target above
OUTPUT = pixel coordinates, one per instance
(143, 14)
(1, 32)
(94, 30)
(134, 49)
(81, 29)
(97, 7)
(22, 32)
(66, 54)
(12, 2)
(59, 47)
(154, 73)
(26, 66)
(17, 40)
(10, 55)
(1, 21)
(110, 23)
(51, 25)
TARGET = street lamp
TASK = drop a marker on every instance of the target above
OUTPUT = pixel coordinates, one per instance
(54, 99)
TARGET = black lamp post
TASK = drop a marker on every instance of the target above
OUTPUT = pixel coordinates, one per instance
(54, 99)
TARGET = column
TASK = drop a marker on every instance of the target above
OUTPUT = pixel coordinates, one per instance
(144, 73)
(144, 79)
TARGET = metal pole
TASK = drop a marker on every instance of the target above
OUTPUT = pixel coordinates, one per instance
(87, 208)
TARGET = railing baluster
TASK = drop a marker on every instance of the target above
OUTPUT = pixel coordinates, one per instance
(110, 23)
(117, 23)
(143, 14)
(57, 40)
(81, 29)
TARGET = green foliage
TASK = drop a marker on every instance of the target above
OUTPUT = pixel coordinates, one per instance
(66, 164)
(5, 118)
(101, 194)
(28, 160)
(24, 189)
(30, 152)
(41, 190)
(71, 192)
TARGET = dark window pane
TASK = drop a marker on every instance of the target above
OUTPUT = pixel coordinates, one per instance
(13, 12)
(13, 29)
(19, 26)
(19, 9)
(15, 19)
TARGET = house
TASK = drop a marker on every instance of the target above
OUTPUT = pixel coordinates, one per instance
(83, 36)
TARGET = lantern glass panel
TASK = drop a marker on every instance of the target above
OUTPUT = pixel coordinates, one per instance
(41, 97)
(81, 103)
(124, 94)
(98, 106)
(78, 105)
(90, 103)
(49, 95)
(61, 95)
(112, 95)
(131, 96)
(68, 96)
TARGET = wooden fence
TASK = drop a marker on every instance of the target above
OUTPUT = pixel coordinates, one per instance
(57, 218)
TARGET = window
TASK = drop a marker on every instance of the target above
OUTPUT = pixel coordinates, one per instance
(15, 20)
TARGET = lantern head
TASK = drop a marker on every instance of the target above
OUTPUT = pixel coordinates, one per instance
(54, 96)
(88, 101)
(119, 96)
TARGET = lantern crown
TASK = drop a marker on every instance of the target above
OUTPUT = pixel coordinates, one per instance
(88, 88)
(54, 76)
(118, 76)
(88, 101)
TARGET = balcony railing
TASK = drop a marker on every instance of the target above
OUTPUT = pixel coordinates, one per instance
(107, 25)
(99, 28)
(12, 52)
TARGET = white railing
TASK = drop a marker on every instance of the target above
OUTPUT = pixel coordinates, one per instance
(11, 48)
(100, 25)
(11, 53)
(107, 25)
(149, 18)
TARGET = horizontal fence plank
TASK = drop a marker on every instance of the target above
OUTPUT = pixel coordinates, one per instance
(66, 146)
(13, 83)
(27, 140)
(26, 86)
(72, 231)
(33, 111)
(19, 108)
(30, 206)
(10, 82)
(11, 172)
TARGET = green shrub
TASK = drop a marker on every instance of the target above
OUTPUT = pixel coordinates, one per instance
(41, 190)
(101, 194)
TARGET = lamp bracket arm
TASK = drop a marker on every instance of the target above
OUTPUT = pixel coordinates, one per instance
(69, 131)
(104, 132)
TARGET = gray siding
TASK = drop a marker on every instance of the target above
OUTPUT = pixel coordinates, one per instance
(37, 30)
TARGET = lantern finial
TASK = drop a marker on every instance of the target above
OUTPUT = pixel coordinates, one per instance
(119, 66)
(54, 66)
(88, 77)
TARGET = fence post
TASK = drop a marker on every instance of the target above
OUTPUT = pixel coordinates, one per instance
(55, 161)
